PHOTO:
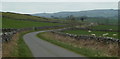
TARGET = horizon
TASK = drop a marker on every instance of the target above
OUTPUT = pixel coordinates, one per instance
(62, 11)
(55, 7)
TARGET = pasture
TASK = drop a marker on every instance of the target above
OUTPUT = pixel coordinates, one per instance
(11, 23)
(106, 21)
(105, 27)
(24, 16)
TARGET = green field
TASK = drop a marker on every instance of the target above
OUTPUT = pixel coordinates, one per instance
(106, 21)
(106, 27)
(10, 23)
(25, 16)
(97, 33)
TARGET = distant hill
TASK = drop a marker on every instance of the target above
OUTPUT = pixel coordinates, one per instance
(106, 13)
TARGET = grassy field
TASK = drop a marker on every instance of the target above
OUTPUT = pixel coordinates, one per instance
(85, 32)
(106, 27)
(9, 23)
(103, 21)
(25, 16)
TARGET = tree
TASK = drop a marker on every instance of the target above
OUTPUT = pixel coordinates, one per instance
(71, 17)
(83, 18)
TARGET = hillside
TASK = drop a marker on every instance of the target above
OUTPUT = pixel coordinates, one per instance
(8, 23)
(14, 20)
(109, 13)
(26, 17)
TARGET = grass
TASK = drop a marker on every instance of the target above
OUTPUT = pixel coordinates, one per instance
(106, 21)
(23, 49)
(25, 16)
(84, 51)
(16, 47)
(85, 32)
(107, 27)
(10, 23)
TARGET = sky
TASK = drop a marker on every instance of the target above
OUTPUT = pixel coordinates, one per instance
(59, 0)
(52, 6)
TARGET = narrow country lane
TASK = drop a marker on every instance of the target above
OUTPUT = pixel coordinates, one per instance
(41, 48)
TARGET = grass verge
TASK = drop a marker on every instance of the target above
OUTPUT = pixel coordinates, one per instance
(16, 47)
(23, 49)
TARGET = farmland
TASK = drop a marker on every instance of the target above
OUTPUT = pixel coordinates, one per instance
(9, 23)
(12, 20)
(106, 27)
(24, 16)
(97, 33)
(16, 20)
(107, 21)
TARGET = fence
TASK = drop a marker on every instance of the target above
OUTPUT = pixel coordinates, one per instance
(94, 29)
(87, 37)
(7, 33)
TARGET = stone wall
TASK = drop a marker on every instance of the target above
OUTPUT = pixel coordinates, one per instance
(87, 37)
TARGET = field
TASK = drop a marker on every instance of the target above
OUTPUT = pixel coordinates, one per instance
(24, 16)
(10, 23)
(106, 27)
(106, 21)
(97, 33)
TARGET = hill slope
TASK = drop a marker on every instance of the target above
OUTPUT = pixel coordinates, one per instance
(26, 17)
(90, 13)
(14, 20)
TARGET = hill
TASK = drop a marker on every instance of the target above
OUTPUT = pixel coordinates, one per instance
(107, 13)
(26, 17)
(14, 20)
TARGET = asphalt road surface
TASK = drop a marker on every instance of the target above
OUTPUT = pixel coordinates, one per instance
(41, 48)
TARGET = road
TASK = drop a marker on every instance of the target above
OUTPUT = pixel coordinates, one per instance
(41, 48)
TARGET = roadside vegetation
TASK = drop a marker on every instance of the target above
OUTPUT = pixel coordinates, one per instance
(16, 47)
(83, 47)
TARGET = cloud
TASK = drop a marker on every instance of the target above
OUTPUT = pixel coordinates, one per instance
(60, 0)
(51, 7)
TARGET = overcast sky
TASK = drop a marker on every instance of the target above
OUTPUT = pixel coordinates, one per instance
(44, 6)
(60, 0)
